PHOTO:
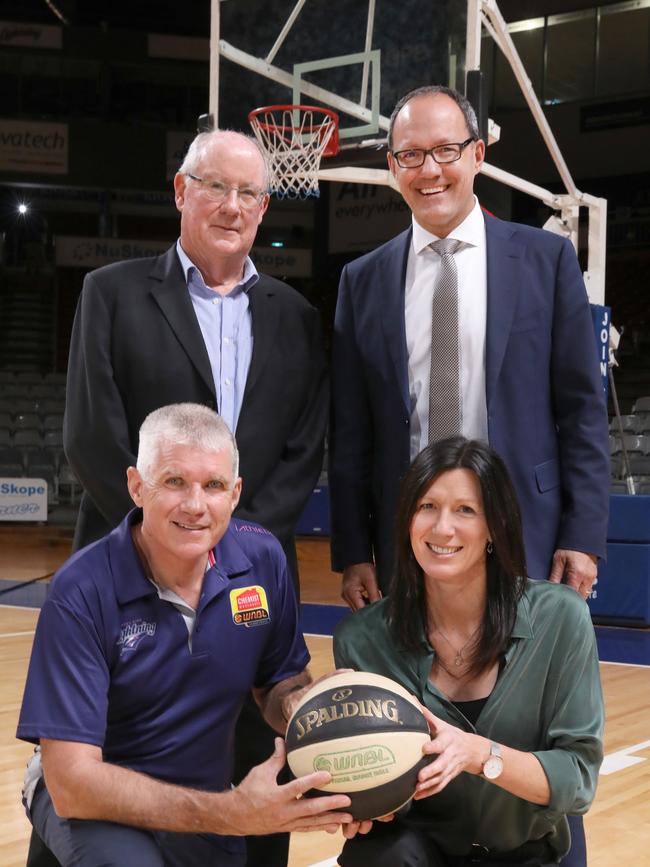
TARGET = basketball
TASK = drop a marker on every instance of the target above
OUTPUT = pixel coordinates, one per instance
(368, 732)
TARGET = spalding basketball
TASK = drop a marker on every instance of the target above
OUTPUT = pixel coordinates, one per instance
(368, 732)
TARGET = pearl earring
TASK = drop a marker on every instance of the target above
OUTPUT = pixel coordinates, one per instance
(489, 547)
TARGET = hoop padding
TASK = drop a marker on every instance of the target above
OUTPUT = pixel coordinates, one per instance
(295, 137)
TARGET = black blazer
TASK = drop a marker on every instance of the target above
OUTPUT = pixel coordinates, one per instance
(136, 345)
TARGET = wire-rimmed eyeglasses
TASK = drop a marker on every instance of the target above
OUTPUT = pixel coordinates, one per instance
(217, 191)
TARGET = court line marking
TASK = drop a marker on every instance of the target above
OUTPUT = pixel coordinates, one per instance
(330, 862)
(628, 664)
(17, 634)
(21, 607)
(622, 759)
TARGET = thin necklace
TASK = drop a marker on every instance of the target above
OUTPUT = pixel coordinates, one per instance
(459, 659)
(457, 675)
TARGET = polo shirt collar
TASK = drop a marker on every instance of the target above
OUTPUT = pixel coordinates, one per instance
(231, 560)
(129, 579)
(128, 575)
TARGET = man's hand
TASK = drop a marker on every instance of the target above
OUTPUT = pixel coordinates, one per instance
(574, 568)
(363, 827)
(260, 806)
(83, 786)
(360, 586)
(294, 696)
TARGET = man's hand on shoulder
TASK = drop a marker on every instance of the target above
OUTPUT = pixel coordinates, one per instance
(259, 806)
(574, 568)
(360, 586)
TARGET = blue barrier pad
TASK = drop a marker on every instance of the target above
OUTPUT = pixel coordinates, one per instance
(315, 519)
(621, 593)
(629, 646)
(321, 619)
(629, 518)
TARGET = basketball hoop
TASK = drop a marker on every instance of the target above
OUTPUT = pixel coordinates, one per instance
(295, 137)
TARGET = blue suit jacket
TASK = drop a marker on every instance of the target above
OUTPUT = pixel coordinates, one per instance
(546, 407)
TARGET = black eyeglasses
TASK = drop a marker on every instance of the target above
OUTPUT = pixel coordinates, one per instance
(413, 158)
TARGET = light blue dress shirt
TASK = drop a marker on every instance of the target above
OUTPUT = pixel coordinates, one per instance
(227, 330)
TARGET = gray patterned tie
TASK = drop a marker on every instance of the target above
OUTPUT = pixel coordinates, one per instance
(444, 388)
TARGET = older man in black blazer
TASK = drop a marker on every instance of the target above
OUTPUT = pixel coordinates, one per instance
(138, 343)
(199, 324)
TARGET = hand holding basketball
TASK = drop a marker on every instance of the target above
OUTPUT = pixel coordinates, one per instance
(263, 807)
(294, 698)
(452, 751)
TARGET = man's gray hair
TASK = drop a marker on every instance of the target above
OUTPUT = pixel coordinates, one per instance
(201, 143)
(187, 424)
(432, 90)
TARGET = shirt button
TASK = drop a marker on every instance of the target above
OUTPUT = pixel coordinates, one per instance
(226, 340)
(216, 300)
(227, 381)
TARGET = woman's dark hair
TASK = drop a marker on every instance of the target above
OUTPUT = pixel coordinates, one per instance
(506, 565)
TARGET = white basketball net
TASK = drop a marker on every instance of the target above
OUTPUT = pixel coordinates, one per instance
(294, 141)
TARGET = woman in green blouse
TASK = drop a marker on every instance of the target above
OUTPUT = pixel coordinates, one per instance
(506, 668)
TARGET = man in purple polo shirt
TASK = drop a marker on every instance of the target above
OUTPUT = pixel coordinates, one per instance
(145, 650)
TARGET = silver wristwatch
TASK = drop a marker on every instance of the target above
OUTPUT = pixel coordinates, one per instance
(493, 765)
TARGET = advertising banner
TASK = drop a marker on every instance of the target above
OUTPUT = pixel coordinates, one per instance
(79, 252)
(31, 35)
(363, 216)
(30, 146)
(282, 261)
(23, 499)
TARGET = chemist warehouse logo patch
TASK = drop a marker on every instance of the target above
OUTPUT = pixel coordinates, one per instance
(132, 632)
(249, 606)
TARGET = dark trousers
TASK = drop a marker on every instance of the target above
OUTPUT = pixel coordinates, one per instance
(254, 743)
(392, 844)
(88, 843)
(577, 854)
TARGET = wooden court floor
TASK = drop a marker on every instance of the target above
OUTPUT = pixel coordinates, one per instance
(618, 824)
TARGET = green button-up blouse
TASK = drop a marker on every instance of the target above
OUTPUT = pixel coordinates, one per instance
(547, 700)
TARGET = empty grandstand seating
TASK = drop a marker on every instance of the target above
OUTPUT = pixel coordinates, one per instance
(31, 432)
(635, 442)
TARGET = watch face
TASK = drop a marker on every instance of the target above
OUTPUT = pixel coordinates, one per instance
(493, 767)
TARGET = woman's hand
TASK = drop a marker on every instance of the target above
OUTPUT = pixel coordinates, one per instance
(455, 751)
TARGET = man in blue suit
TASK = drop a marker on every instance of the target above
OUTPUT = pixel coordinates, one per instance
(529, 376)
(528, 372)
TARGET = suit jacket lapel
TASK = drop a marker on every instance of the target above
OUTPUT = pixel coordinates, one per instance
(503, 287)
(391, 310)
(169, 291)
(265, 315)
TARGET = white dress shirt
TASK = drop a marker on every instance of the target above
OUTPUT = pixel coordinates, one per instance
(421, 275)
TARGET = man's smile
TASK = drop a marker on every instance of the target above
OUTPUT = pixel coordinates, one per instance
(433, 191)
(190, 526)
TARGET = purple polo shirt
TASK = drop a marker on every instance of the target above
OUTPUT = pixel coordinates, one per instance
(111, 665)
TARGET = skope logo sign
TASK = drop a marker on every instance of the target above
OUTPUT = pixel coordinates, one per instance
(23, 499)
